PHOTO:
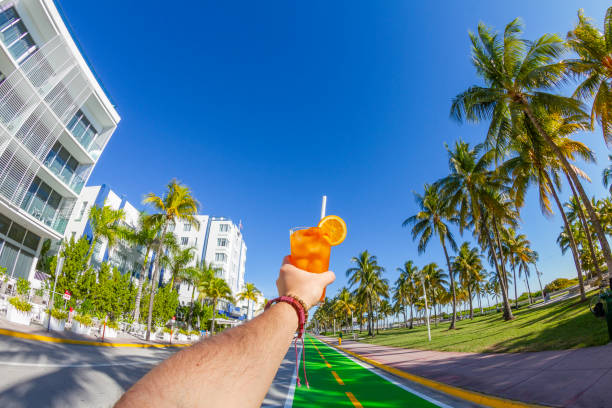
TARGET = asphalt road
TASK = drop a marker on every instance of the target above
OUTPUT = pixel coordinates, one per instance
(40, 374)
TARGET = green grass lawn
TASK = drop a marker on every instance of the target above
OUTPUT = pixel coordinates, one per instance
(564, 325)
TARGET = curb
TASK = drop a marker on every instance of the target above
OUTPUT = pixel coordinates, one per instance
(471, 396)
(50, 339)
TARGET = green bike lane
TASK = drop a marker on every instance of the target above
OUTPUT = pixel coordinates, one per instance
(338, 381)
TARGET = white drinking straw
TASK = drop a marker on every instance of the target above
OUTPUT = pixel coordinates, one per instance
(323, 206)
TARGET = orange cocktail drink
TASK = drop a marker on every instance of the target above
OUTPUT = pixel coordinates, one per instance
(311, 247)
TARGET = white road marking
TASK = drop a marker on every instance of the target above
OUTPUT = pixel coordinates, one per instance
(391, 380)
(291, 392)
(75, 365)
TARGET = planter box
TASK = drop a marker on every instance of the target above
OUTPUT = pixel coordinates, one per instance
(110, 333)
(182, 338)
(78, 328)
(56, 325)
(17, 316)
(194, 338)
(166, 337)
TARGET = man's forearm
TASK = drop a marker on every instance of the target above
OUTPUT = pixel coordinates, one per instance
(232, 369)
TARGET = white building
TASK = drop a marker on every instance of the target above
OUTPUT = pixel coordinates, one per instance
(124, 256)
(217, 240)
(55, 121)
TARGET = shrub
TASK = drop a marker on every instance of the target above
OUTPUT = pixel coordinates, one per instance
(39, 292)
(85, 320)
(166, 330)
(23, 287)
(560, 283)
(20, 304)
(183, 331)
(113, 324)
(194, 332)
(58, 314)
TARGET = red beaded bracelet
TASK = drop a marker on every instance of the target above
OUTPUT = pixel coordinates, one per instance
(302, 314)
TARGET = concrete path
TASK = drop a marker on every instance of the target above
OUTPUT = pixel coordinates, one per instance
(281, 391)
(565, 378)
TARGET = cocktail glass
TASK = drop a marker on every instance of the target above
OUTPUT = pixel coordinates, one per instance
(310, 250)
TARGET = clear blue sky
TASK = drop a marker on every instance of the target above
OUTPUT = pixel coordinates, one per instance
(262, 107)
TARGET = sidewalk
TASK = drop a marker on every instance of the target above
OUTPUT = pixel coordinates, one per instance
(564, 378)
(37, 330)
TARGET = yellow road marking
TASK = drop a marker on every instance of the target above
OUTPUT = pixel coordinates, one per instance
(327, 364)
(356, 403)
(472, 396)
(50, 339)
(338, 378)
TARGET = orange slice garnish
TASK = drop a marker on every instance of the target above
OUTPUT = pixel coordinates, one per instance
(334, 229)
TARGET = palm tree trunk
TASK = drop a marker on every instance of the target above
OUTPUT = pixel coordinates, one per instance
(411, 317)
(212, 326)
(538, 274)
(502, 257)
(452, 283)
(191, 307)
(154, 280)
(140, 284)
(370, 317)
(94, 238)
(569, 234)
(405, 317)
(507, 309)
(471, 308)
(605, 247)
(585, 228)
(515, 282)
(528, 290)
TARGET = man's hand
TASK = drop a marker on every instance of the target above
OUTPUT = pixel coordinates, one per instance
(305, 285)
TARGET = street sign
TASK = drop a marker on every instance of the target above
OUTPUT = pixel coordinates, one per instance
(67, 295)
(173, 318)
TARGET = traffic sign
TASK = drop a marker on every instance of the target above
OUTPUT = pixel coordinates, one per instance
(67, 295)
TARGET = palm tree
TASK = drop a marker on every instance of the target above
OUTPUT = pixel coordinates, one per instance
(517, 73)
(435, 278)
(104, 223)
(344, 303)
(404, 288)
(432, 218)
(215, 289)
(468, 265)
(367, 275)
(176, 204)
(144, 236)
(250, 294)
(176, 260)
(517, 248)
(594, 64)
(384, 310)
(574, 213)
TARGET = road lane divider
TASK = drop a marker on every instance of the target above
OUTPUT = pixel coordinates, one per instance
(338, 379)
(354, 400)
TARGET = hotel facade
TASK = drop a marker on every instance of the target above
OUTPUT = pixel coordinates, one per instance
(218, 241)
(55, 121)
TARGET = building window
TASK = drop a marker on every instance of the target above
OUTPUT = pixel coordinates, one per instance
(82, 212)
(187, 227)
(41, 201)
(60, 162)
(184, 240)
(223, 227)
(82, 129)
(220, 257)
(222, 242)
(171, 227)
(15, 35)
